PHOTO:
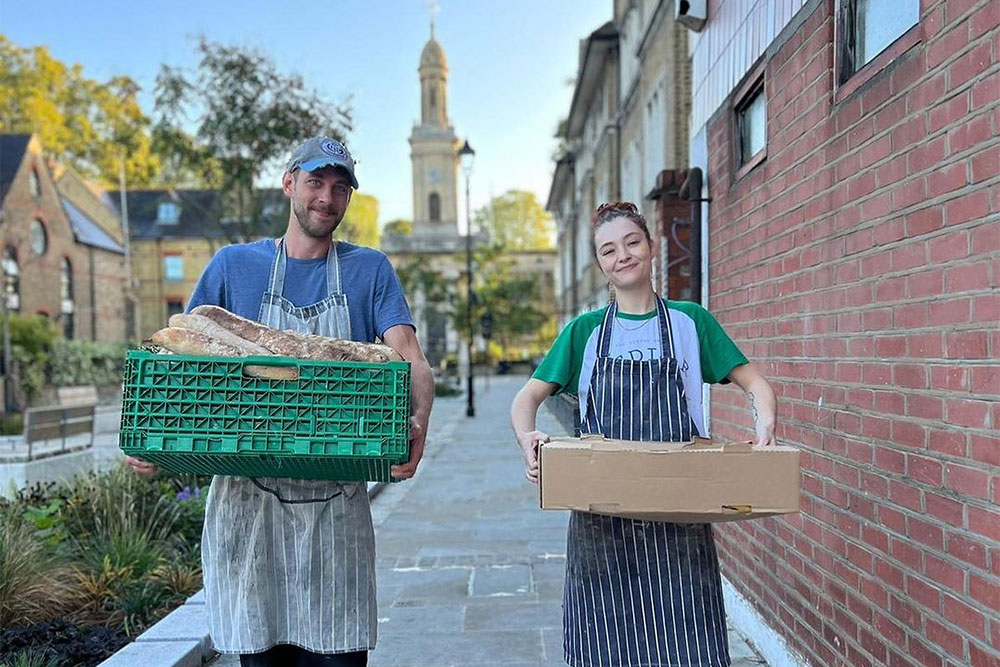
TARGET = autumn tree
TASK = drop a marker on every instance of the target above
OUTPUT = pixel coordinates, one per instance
(87, 124)
(248, 117)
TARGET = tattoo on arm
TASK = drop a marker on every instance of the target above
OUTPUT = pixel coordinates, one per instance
(753, 406)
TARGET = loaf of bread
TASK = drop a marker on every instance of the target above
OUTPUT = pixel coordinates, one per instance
(294, 344)
(187, 341)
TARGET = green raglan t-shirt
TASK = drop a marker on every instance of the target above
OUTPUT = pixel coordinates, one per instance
(705, 353)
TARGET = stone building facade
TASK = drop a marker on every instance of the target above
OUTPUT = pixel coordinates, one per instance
(627, 123)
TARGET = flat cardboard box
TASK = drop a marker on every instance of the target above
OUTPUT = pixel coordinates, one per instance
(696, 482)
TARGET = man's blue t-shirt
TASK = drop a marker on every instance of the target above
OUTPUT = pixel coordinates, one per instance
(238, 275)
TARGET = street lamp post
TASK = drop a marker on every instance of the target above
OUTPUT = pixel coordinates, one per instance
(466, 156)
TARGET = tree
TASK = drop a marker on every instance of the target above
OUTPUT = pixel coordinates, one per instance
(81, 122)
(360, 223)
(516, 221)
(398, 227)
(506, 295)
(249, 117)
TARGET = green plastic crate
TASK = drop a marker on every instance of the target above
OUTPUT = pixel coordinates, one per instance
(338, 420)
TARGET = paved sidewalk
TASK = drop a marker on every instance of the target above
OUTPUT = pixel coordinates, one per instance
(470, 571)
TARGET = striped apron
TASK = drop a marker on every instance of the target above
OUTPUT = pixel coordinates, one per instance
(291, 561)
(643, 593)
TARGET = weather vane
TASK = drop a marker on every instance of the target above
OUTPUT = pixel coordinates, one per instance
(433, 6)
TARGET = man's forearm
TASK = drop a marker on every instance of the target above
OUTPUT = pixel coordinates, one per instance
(421, 389)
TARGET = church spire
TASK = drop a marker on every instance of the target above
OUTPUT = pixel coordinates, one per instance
(433, 79)
(433, 7)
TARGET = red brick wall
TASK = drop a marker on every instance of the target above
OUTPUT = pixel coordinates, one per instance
(859, 264)
(40, 284)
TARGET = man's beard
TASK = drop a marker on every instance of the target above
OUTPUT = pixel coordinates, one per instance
(312, 228)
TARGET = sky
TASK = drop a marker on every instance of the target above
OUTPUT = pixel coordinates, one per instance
(511, 64)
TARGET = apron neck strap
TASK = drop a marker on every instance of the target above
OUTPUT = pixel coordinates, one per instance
(604, 338)
(666, 330)
(276, 284)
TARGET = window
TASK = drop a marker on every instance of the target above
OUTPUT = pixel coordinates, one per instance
(39, 237)
(168, 213)
(66, 298)
(868, 27)
(173, 267)
(751, 125)
(33, 185)
(174, 307)
(12, 279)
(434, 207)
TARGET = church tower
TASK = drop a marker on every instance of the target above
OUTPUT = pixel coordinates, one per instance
(433, 150)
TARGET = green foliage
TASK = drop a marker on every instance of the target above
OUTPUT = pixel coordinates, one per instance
(360, 223)
(111, 548)
(248, 117)
(76, 362)
(35, 658)
(444, 389)
(398, 227)
(11, 424)
(33, 334)
(80, 121)
(36, 581)
(516, 221)
(31, 340)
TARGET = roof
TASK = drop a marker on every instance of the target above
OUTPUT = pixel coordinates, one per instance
(562, 176)
(596, 49)
(433, 55)
(200, 212)
(12, 148)
(88, 232)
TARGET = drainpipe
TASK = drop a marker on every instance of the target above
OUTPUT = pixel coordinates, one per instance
(93, 296)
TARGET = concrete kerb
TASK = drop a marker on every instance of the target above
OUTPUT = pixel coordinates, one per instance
(180, 639)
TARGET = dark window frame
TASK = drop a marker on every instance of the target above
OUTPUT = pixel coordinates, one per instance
(754, 85)
(848, 74)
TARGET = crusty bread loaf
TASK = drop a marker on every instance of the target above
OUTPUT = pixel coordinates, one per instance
(186, 341)
(210, 327)
(294, 344)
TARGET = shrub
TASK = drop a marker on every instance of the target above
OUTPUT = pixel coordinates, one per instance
(445, 389)
(36, 582)
(11, 424)
(75, 362)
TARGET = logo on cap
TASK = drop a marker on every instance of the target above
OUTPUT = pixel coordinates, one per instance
(335, 149)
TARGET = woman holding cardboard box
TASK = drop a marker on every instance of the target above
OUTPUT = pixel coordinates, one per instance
(639, 592)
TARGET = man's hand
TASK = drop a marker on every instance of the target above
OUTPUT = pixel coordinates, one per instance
(402, 339)
(529, 443)
(141, 467)
(418, 436)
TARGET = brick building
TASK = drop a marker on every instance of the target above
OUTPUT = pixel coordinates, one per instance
(61, 255)
(851, 247)
(626, 124)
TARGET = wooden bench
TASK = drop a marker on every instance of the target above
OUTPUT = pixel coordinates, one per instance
(57, 423)
(77, 395)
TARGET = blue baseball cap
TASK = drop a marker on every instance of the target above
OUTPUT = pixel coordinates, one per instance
(321, 152)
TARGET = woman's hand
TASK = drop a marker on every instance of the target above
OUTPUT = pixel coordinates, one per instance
(529, 443)
(141, 467)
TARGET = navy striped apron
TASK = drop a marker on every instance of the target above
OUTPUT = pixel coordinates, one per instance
(643, 593)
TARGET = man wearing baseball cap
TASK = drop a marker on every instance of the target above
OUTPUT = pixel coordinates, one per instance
(289, 565)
